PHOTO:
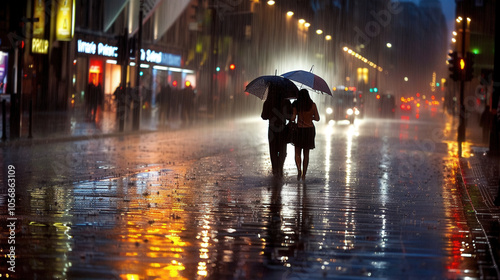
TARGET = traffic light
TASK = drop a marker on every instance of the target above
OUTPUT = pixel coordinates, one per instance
(232, 66)
(454, 66)
(469, 66)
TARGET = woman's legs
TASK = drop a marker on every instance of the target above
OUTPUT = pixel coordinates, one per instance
(305, 164)
(298, 160)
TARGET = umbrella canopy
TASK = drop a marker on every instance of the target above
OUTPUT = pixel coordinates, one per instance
(259, 86)
(309, 79)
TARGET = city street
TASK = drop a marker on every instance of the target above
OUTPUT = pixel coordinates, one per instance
(380, 201)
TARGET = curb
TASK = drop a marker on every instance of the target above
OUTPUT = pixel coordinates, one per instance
(50, 140)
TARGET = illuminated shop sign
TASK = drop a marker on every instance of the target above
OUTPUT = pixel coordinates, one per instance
(160, 58)
(148, 55)
(4, 63)
(97, 49)
(65, 20)
(39, 26)
(39, 46)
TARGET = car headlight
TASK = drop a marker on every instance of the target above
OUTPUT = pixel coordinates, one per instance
(349, 111)
(329, 111)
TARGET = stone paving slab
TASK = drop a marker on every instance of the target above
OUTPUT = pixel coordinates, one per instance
(480, 176)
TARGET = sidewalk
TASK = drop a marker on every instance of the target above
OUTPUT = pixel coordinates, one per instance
(480, 174)
(73, 125)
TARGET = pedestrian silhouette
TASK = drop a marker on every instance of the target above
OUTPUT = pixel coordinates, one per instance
(164, 100)
(305, 111)
(188, 97)
(277, 110)
(94, 98)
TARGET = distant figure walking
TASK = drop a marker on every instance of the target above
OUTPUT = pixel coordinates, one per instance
(188, 97)
(95, 97)
(305, 110)
(164, 100)
(277, 110)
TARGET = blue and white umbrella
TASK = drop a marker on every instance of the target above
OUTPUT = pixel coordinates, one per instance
(309, 79)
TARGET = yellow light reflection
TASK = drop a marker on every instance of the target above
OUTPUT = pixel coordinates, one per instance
(155, 248)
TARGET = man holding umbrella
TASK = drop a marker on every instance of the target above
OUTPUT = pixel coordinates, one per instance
(277, 109)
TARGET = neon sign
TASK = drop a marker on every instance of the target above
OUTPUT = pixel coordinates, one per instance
(99, 48)
(39, 46)
(148, 55)
(160, 58)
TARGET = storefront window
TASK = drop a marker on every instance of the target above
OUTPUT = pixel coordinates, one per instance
(4, 63)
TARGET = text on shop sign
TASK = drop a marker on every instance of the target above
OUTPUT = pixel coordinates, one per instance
(99, 49)
(160, 58)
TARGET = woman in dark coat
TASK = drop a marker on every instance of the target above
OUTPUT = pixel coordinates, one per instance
(277, 110)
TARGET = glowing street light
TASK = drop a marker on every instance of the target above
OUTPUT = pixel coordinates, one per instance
(328, 37)
(302, 21)
(271, 2)
(307, 24)
(289, 13)
(319, 31)
(389, 45)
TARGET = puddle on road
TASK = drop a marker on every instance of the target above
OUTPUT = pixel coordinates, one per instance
(157, 224)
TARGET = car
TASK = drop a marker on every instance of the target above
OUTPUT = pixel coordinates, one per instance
(386, 105)
(341, 106)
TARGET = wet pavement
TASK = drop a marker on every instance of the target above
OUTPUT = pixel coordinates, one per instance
(384, 199)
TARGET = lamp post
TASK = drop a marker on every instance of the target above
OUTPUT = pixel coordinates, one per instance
(461, 121)
(136, 114)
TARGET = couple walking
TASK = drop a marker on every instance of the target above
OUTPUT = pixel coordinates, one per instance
(278, 110)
